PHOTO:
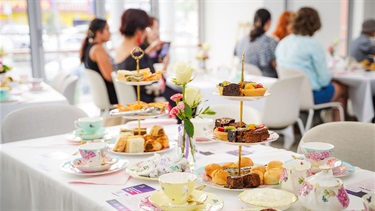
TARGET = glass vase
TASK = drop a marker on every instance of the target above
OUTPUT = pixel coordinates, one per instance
(187, 148)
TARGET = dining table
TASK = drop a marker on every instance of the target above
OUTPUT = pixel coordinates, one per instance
(32, 178)
(361, 88)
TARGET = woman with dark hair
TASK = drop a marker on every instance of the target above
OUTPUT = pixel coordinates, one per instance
(95, 57)
(284, 25)
(133, 27)
(258, 47)
(301, 52)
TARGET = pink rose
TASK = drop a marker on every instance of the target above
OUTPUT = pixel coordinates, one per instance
(342, 196)
(176, 97)
(181, 106)
(174, 111)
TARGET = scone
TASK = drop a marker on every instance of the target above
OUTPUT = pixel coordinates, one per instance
(259, 168)
(272, 176)
(210, 168)
(245, 162)
(229, 165)
(274, 164)
(219, 176)
(261, 175)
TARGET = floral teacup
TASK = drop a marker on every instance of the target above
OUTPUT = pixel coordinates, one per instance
(293, 175)
(93, 153)
(317, 153)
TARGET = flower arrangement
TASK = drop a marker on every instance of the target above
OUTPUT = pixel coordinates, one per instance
(333, 47)
(202, 52)
(186, 107)
(4, 68)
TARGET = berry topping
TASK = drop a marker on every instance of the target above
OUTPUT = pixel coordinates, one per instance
(221, 129)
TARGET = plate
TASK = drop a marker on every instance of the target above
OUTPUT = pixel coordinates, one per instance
(268, 197)
(121, 164)
(38, 89)
(203, 178)
(161, 201)
(116, 112)
(80, 164)
(242, 98)
(273, 137)
(172, 145)
(141, 83)
(201, 140)
(131, 171)
(72, 137)
(10, 99)
(343, 170)
(98, 135)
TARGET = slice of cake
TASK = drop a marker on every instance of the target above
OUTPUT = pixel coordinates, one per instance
(251, 180)
(225, 121)
(231, 90)
(235, 182)
(143, 131)
(135, 144)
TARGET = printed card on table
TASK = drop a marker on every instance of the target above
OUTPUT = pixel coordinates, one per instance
(130, 197)
(235, 152)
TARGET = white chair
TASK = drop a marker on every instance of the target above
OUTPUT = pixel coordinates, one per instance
(354, 141)
(98, 91)
(57, 81)
(307, 98)
(250, 69)
(69, 87)
(125, 93)
(249, 114)
(39, 121)
(281, 108)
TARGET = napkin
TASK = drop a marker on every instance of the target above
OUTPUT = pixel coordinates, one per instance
(117, 178)
(151, 122)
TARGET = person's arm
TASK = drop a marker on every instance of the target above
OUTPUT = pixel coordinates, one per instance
(319, 62)
(154, 46)
(367, 47)
(101, 57)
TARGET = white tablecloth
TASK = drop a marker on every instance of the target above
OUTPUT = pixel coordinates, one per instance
(31, 178)
(361, 89)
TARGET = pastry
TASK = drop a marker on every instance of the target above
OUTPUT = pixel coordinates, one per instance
(121, 142)
(219, 176)
(274, 164)
(252, 89)
(152, 146)
(157, 131)
(251, 180)
(231, 90)
(163, 140)
(225, 121)
(229, 165)
(160, 105)
(235, 182)
(210, 168)
(135, 144)
(221, 135)
(272, 176)
(259, 168)
(261, 175)
(245, 162)
(250, 134)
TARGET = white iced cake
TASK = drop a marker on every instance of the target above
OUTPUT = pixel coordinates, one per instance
(135, 144)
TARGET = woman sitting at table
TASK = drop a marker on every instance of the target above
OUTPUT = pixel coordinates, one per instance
(95, 57)
(133, 27)
(258, 47)
(284, 25)
(300, 51)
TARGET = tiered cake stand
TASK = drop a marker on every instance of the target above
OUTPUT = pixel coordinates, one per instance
(273, 136)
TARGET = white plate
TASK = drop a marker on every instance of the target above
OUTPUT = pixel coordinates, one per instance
(273, 137)
(242, 98)
(141, 83)
(172, 145)
(121, 164)
(10, 99)
(201, 140)
(79, 163)
(116, 112)
(203, 178)
(131, 171)
(97, 135)
(74, 138)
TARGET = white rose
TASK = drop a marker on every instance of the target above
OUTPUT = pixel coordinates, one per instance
(192, 96)
(183, 72)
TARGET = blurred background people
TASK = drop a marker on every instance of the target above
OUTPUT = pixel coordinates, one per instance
(258, 47)
(133, 27)
(284, 25)
(95, 57)
(364, 47)
(300, 51)
(152, 43)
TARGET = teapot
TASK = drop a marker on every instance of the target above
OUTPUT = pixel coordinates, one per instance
(293, 175)
(322, 191)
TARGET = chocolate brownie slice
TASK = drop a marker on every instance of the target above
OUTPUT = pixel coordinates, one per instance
(231, 90)
(251, 180)
(235, 182)
(225, 121)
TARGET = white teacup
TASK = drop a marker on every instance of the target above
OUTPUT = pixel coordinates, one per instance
(36, 83)
(93, 153)
(202, 126)
(89, 124)
(177, 186)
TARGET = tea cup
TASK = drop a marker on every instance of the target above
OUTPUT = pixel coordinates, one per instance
(89, 124)
(177, 186)
(36, 83)
(317, 153)
(93, 153)
(202, 126)
(294, 173)
(4, 93)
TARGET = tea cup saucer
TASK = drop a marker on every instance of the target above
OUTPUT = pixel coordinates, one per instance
(97, 135)
(161, 201)
(81, 165)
